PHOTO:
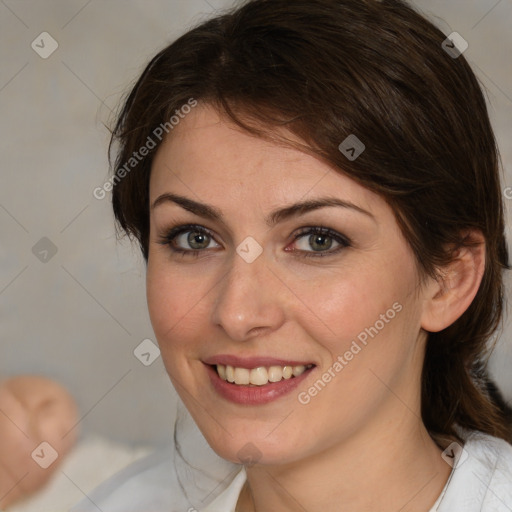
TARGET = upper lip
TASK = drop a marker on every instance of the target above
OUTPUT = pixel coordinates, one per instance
(253, 362)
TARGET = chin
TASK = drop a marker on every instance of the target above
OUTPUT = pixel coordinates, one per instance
(253, 446)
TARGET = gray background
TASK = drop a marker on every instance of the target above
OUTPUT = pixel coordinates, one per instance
(78, 316)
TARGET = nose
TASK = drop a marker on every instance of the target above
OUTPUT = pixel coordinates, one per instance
(249, 300)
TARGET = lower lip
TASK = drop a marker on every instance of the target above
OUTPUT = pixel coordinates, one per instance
(254, 395)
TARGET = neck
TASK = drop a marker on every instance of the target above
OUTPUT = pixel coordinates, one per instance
(395, 467)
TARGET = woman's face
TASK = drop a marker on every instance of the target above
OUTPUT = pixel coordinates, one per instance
(256, 290)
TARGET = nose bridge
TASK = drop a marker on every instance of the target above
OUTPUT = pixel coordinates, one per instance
(246, 300)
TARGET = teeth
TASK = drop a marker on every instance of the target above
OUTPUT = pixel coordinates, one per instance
(275, 373)
(259, 376)
(298, 370)
(287, 372)
(221, 369)
(242, 376)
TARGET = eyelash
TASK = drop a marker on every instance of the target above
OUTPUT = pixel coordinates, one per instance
(169, 238)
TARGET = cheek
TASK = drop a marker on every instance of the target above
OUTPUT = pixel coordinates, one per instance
(345, 304)
(177, 303)
(160, 301)
(367, 333)
(369, 325)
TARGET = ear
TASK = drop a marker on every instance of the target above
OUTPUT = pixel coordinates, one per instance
(450, 295)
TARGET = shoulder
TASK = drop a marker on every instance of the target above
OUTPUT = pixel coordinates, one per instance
(482, 478)
(163, 481)
(494, 471)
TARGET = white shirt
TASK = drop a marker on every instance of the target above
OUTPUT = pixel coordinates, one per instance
(166, 482)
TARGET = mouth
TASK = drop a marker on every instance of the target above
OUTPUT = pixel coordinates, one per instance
(255, 381)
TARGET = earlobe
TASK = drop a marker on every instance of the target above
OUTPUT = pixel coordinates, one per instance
(448, 297)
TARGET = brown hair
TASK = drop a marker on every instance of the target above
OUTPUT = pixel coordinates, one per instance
(326, 69)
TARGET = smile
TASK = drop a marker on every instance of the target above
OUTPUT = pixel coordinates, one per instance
(255, 380)
(259, 376)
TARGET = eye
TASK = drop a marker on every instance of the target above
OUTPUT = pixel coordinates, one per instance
(320, 240)
(189, 239)
(313, 241)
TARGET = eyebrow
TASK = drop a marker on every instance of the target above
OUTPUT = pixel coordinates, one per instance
(211, 212)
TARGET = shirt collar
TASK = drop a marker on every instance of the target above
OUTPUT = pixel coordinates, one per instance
(227, 500)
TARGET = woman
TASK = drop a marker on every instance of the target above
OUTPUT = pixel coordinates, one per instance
(314, 186)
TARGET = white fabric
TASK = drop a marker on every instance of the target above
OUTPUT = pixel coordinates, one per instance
(90, 462)
(165, 482)
(482, 483)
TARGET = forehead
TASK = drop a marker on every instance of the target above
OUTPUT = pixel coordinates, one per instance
(208, 156)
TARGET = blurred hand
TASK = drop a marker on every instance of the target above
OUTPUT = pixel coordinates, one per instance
(32, 410)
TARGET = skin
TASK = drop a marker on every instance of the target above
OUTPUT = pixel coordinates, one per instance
(33, 410)
(359, 444)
